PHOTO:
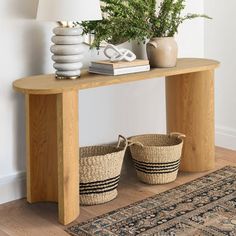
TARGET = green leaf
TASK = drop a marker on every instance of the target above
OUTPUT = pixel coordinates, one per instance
(126, 20)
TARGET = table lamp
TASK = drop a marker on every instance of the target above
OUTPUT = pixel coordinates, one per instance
(68, 49)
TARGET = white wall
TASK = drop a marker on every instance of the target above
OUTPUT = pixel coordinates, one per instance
(220, 43)
(104, 112)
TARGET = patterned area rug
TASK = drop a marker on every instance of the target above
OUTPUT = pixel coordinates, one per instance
(205, 206)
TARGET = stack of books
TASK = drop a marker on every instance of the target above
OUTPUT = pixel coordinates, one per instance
(119, 68)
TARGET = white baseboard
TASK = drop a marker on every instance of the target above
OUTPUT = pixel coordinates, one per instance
(12, 187)
(226, 137)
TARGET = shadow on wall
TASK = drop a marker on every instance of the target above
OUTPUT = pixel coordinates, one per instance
(33, 43)
(19, 130)
(30, 41)
(34, 49)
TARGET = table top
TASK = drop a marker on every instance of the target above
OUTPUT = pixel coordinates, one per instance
(47, 84)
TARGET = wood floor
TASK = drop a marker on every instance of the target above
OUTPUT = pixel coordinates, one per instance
(21, 219)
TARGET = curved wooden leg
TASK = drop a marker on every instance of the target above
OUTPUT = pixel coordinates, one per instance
(68, 156)
(52, 152)
(190, 110)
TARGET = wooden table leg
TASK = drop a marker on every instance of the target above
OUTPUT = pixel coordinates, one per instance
(52, 152)
(68, 156)
(190, 110)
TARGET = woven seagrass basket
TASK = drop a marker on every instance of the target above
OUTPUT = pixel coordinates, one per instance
(157, 157)
(100, 169)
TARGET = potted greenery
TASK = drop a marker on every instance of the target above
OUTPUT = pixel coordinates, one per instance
(122, 21)
(162, 49)
(127, 20)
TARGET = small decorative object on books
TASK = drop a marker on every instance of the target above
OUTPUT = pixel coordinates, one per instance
(117, 54)
(121, 61)
(119, 68)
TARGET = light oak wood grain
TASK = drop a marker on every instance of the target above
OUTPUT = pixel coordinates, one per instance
(41, 139)
(52, 126)
(21, 219)
(49, 85)
(190, 110)
(68, 153)
(52, 152)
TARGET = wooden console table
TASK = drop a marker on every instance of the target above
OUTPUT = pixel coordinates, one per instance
(52, 126)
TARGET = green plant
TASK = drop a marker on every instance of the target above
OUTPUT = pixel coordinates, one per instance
(126, 20)
(169, 18)
(123, 20)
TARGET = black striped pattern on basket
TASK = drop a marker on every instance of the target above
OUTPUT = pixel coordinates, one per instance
(102, 186)
(156, 168)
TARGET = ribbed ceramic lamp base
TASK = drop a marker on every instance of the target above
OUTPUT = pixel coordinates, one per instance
(67, 52)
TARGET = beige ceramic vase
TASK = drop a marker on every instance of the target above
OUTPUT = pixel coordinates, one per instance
(162, 52)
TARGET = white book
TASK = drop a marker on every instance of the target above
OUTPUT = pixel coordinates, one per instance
(108, 65)
(119, 71)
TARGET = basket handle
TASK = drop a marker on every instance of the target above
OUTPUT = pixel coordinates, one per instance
(135, 143)
(120, 139)
(178, 135)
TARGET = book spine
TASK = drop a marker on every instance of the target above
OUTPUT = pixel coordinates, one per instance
(118, 65)
(130, 70)
(120, 71)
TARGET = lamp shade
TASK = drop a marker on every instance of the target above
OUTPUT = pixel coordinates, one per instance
(69, 10)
